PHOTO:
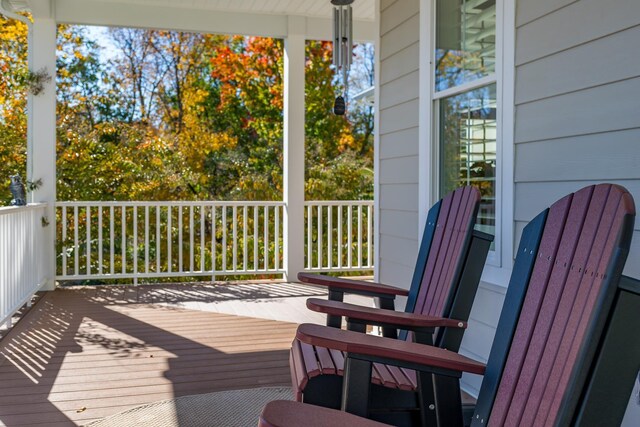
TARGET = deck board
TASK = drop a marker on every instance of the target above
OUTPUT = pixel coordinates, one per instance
(83, 354)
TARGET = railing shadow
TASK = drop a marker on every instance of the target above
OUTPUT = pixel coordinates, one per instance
(34, 361)
(30, 359)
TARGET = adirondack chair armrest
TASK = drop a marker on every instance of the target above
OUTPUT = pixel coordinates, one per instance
(387, 350)
(359, 287)
(381, 317)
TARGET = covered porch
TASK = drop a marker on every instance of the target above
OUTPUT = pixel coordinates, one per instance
(85, 353)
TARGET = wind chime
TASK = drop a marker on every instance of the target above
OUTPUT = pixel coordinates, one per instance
(342, 48)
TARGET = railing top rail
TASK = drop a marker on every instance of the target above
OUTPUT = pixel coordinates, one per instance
(210, 203)
(166, 203)
(338, 202)
(8, 210)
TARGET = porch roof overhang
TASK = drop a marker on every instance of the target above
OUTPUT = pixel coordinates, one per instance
(268, 18)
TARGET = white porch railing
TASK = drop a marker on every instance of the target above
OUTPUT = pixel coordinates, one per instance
(145, 240)
(21, 272)
(339, 236)
(117, 240)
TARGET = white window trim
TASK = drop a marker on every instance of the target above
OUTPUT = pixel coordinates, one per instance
(466, 87)
(376, 146)
(500, 262)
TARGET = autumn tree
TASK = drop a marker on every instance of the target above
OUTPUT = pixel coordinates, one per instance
(246, 103)
(182, 116)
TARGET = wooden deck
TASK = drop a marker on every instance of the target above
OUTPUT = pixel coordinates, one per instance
(82, 354)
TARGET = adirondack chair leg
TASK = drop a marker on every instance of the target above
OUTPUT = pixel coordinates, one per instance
(614, 371)
(388, 304)
(448, 401)
(332, 320)
(426, 398)
(356, 386)
(356, 326)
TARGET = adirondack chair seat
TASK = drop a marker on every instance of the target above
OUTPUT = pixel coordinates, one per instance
(318, 361)
(565, 351)
(445, 280)
(313, 361)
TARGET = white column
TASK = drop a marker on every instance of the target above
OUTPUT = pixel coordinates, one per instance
(41, 141)
(294, 113)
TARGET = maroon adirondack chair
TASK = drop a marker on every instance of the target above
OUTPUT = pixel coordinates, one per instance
(566, 350)
(448, 269)
(284, 413)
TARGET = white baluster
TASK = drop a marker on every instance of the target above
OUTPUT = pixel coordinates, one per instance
(191, 239)
(169, 238)
(76, 245)
(255, 238)
(111, 240)
(266, 238)
(329, 236)
(276, 232)
(369, 235)
(320, 236)
(100, 244)
(124, 239)
(359, 235)
(202, 235)
(340, 237)
(63, 218)
(349, 234)
(224, 238)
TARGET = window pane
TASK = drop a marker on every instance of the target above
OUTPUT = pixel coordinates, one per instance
(468, 148)
(465, 41)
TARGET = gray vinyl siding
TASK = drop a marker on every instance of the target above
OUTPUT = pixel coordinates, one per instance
(398, 150)
(577, 107)
(577, 104)
(481, 330)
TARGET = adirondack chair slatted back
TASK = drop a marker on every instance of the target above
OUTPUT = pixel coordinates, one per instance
(448, 228)
(577, 264)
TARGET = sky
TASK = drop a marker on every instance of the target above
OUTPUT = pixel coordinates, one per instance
(101, 35)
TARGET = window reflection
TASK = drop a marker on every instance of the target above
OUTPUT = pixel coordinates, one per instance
(468, 148)
(465, 41)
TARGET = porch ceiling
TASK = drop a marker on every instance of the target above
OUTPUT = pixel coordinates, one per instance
(269, 18)
(362, 9)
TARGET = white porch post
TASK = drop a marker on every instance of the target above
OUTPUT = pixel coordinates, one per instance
(294, 114)
(41, 138)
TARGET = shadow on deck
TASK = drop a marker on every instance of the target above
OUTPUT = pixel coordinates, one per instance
(86, 353)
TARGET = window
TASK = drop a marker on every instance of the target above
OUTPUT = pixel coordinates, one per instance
(465, 101)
